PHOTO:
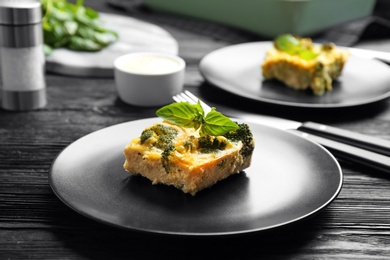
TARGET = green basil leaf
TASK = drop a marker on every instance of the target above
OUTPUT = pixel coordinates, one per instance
(61, 42)
(60, 37)
(104, 38)
(48, 34)
(292, 45)
(84, 20)
(61, 15)
(80, 44)
(286, 43)
(104, 30)
(192, 115)
(92, 14)
(308, 54)
(47, 50)
(63, 19)
(85, 32)
(216, 124)
(71, 27)
(183, 114)
(79, 3)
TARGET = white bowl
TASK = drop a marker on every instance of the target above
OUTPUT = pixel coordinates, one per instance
(148, 78)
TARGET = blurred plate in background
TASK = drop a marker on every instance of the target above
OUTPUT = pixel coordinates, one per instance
(237, 69)
(134, 36)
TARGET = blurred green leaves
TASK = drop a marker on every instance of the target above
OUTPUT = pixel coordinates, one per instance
(293, 46)
(73, 26)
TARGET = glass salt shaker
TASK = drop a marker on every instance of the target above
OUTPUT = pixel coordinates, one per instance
(22, 60)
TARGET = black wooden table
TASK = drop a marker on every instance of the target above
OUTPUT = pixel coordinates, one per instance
(35, 224)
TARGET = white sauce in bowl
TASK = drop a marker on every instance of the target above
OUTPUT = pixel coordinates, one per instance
(148, 78)
(150, 65)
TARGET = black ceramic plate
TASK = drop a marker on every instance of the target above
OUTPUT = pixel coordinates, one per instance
(237, 69)
(290, 179)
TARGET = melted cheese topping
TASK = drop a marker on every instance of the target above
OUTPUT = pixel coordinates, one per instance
(182, 154)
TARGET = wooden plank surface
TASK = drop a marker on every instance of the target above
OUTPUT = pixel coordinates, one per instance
(35, 224)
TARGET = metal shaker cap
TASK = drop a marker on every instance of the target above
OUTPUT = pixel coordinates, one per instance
(20, 23)
(20, 12)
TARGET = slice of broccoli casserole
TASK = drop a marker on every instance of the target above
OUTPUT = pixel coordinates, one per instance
(169, 154)
(301, 65)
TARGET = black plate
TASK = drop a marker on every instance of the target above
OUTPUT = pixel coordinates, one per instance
(290, 179)
(237, 69)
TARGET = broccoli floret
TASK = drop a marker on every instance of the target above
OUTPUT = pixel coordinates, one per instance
(210, 144)
(165, 157)
(243, 134)
(164, 140)
(161, 129)
(189, 144)
(164, 135)
(205, 142)
(146, 134)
